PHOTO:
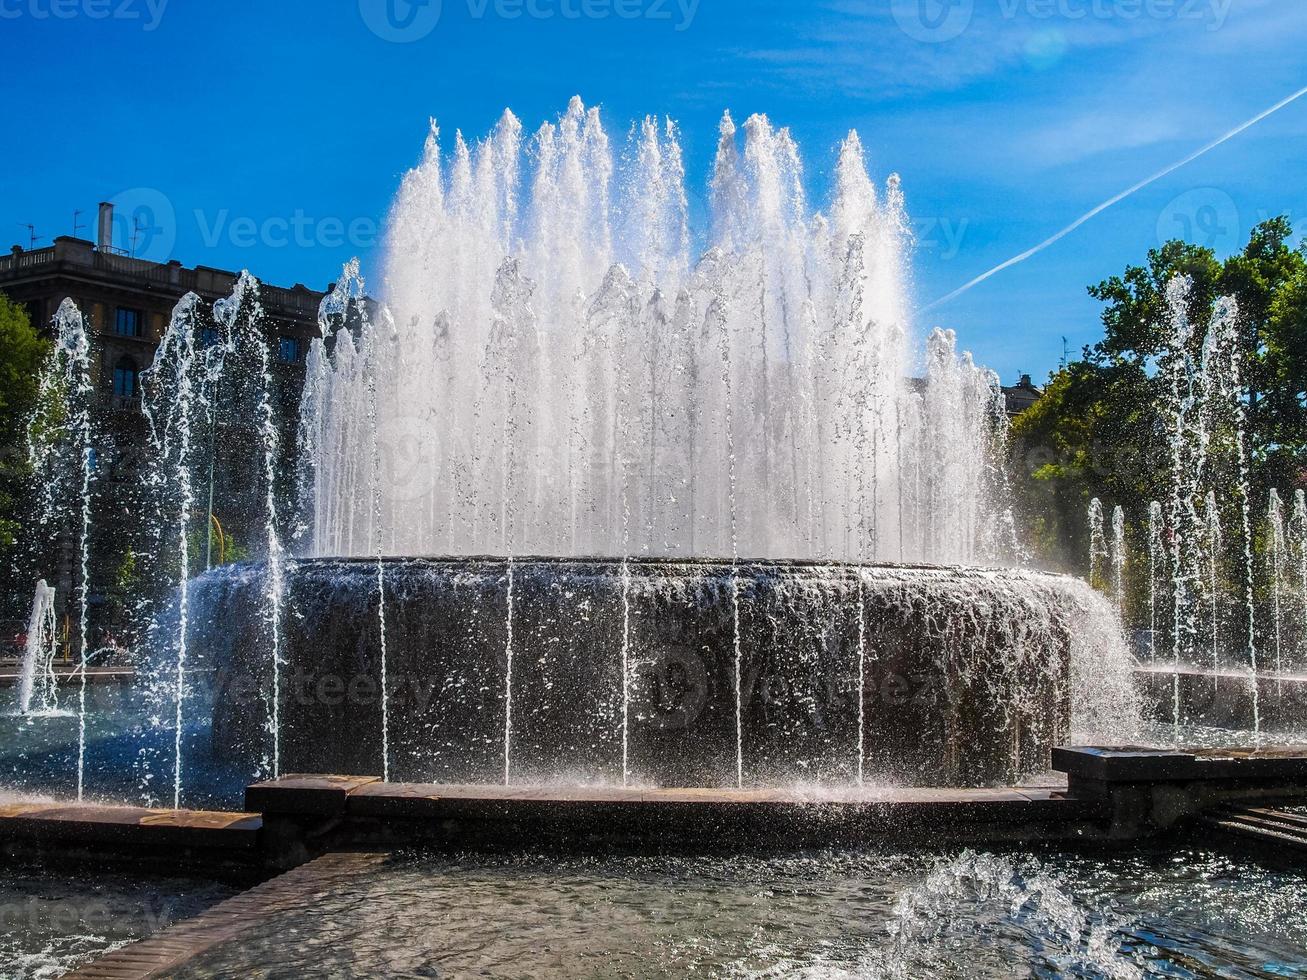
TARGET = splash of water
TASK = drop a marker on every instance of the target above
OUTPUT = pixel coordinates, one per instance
(862, 675)
(1188, 444)
(1106, 707)
(350, 339)
(626, 671)
(1074, 939)
(508, 674)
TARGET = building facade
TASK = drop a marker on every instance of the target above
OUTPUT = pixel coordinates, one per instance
(128, 303)
(1022, 395)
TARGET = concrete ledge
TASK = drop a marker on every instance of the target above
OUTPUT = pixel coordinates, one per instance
(306, 794)
(1112, 793)
(377, 813)
(1270, 764)
(1147, 790)
(46, 832)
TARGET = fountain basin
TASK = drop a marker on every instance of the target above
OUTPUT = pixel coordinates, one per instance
(905, 675)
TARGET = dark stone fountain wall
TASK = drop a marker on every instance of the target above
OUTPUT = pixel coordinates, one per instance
(966, 672)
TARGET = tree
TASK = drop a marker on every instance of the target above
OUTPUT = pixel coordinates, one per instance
(1098, 430)
(22, 352)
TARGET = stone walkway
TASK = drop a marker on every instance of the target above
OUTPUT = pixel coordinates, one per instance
(227, 921)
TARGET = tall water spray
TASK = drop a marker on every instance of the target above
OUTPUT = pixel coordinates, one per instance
(560, 363)
(1222, 380)
(61, 446)
(1098, 548)
(1188, 456)
(352, 343)
(38, 689)
(174, 398)
(1298, 524)
(1215, 540)
(240, 322)
(1276, 554)
(1156, 532)
(1118, 557)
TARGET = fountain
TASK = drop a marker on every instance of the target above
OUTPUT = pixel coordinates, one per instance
(659, 496)
(570, 507)
(621, 550)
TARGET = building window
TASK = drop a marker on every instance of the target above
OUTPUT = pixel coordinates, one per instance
(127, 323)
(288, 350)
(125, 379)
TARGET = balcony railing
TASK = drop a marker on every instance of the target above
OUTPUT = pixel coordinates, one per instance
(79, 256)
(18, 261)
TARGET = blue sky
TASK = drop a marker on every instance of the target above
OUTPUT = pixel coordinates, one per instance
(257, 123)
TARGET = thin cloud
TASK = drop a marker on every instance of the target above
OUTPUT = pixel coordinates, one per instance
(1099, 209)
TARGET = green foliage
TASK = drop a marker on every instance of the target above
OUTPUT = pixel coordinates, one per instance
(22, 352)
(1098, 431)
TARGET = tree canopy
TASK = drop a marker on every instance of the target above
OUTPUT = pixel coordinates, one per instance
(1098, 431)
(22, 352)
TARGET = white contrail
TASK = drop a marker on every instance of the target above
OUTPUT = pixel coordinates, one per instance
(1117, 199)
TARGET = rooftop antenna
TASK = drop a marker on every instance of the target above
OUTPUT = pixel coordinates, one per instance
(136, 233)
(77, 225)
(32, 236)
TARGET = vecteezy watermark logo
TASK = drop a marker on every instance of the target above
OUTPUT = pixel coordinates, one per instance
(150, 12)
(401, 21)
(1205, 216)
(671, 688)
(144, 223)
(933, 21)
(942, 236)
(298, 229)
(1211, 12)
(407, 450)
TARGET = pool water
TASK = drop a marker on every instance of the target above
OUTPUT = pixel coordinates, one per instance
(1187, 913)
(53, 922)
(129, 754)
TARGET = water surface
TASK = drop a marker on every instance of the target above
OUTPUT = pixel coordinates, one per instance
(1187, 913)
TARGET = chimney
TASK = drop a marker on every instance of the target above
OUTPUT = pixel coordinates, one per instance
(104, 238)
